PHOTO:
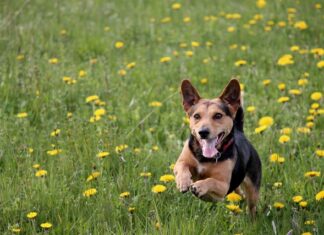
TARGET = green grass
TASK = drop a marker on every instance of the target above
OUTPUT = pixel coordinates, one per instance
(33, 85)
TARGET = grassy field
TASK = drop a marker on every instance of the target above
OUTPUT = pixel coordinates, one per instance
(91, 114)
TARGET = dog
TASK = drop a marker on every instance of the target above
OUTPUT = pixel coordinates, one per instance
(217, 158)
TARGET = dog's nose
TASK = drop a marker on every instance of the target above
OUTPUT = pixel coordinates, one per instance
(203, 133)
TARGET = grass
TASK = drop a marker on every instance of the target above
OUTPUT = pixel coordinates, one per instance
(82, 36)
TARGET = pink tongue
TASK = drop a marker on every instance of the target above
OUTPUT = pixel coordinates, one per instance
(209, 148)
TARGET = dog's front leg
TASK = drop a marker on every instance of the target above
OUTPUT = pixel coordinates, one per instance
(210, 189)
(183, 176)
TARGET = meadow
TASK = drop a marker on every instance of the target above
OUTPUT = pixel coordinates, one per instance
(92, 121)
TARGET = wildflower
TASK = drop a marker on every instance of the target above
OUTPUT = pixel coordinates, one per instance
(276, 158)
(99, 112)
(320, 195)
(167, 178)
(309, 222)
(41, 173)
(317, 51)
(54, 152)
(319, 152)
(131, 65)
(320, 64)
(260, 129)
(171, 167)
(261, 3)
(146, 174)
(277, 184)
(69, 80)
(90, 192)
(286, 131)
(166, 20)
(189, 53)
(176, 6)
(234, 208)
(310, 124)
(209, 44)
(315, 105)
(302, 82)
(20, 57)
(102, 154)
(155, 104)
(240, 63)
(15, 230)
(283, 99)
(158, 188)
(316, 96)
(281, 86)
(131, 209)
(124, 194)
(155, 148)
(53, 61)
(204, 81)
(93, 61)
(266, 82)
(82, 73)
(119, 44)
(278, 205)
(312, 174)
(285, 60)
(30, 150)
(297, 199)
(303, 204)
(22, 115)
(186, 19)
(92, 98)
(137, 150)
(122, 72)
(36, 166)
(266, 121)
(318, 6)
(233, 197)
(56, 132)
(31, 215)
(94, 175)
(294, 48)
(310, 118)
(165, 59)
(284, 139)
(282, 24)
(306, 233)
(304, 130)
(94, 118)
(231, 29)
(121, 148)
(69, 115)
(250, 109)
(301, 25)
(46, 225)
(157, 225)
(63, 32)
(294, 91)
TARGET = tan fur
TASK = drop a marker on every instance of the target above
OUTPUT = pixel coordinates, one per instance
(252, 195)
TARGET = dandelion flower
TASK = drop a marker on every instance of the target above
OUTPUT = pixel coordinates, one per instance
(320, 195)
(41, 173)
(131, 209)
(20, 57)
(56, 132)
(286, 59)
(304, 130)
(92, 98)
(53, 61)
(295, 92)
(22, 115)
(316, 95)
(303, 204)
(266, 82)
(124, 194)
(46, 225)
(176, 6)
(297, 198)
(90, 192)
(155, 104)
(319, 152)
(302, 82)
(284, 139)
(260, 129)
(233, 197)
(278, 205)
(165, 59)
(82, 73)
(281, 86)
(312, 174)
(94, 175)
(240, 63)
(277, 184)
(309, 222)
(186, 19)
(31, 215)
(103, 154)
(266, 121)
(15, 230)
(54, 152)
(146, 174)
(286, 131)
(250, 109)
(131, 65)
(203, 81)
(167, 178)
(306, 233)
(231, 29)
(283, 99)
(189, 53)
(320, 64)
(158, 188)
(302, 25)
(276, 158)
(234, 208)
(99, 112)
(261, 3)
(36, 166)
(121, 148)
(119, 44)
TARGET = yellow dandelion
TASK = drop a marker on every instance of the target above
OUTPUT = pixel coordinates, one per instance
(159, 188)
(304, 130)
(286, 131)
(171, 167)
(302, 25)
(312, 174)
(302, 82)
(155, 148)
(250, 109)
(303, 204)
(167, 178)
(189, 53)
(99, 112)
(22, 115)
(316, 95)
(277, 184)
(319, 196)
(92, 98)
(46, 225)
(122, 72)
(297, 198)
(240, 63)
(82, 73)
(90, 192)
(231, 29)
(131, 65)
(165, 59)
(281, 86)
(284, 139)
(283, 99)
(155, 104)
(284, 60)
(233, 197)
(15, 230)
(31, 215)
(319, 152)
(146, 174)
(94, 118)
(186, 19)
(266, 82)
(260, 129)
(94, 175)
(294, 91)
(234, 208)
(20, 57)
(53, 61)
(131, 209)
(36, 166)
(278, 205)
(276, 158)
(176, 6)
(309, 222)
(41, 173)
(294, 48)
(306, 233)
(261, 3)
(119, 44)
(266, 121)
(124, 194)
(282, 24)
(203, 81)
(56, 132)
(54, 152)
(320, 64)
(103, 154)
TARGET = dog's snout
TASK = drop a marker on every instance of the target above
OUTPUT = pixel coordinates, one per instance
(204, 133)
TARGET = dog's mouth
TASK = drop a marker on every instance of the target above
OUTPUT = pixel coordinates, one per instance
(209, 146)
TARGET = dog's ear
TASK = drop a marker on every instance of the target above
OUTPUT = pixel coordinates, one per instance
(232, 94)
(189, 94)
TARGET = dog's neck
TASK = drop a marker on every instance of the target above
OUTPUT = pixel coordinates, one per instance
(225, 150)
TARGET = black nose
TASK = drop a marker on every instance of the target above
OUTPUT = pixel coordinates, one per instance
(204, 133)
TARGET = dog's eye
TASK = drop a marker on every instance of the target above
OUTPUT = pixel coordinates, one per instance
(217, 116)
(196, 116)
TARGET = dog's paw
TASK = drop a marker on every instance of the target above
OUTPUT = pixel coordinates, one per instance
(199, 189)
(183, 183)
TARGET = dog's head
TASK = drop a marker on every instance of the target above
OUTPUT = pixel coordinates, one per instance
(211, 120)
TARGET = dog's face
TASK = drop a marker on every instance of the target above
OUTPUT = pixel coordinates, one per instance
(211, 120)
